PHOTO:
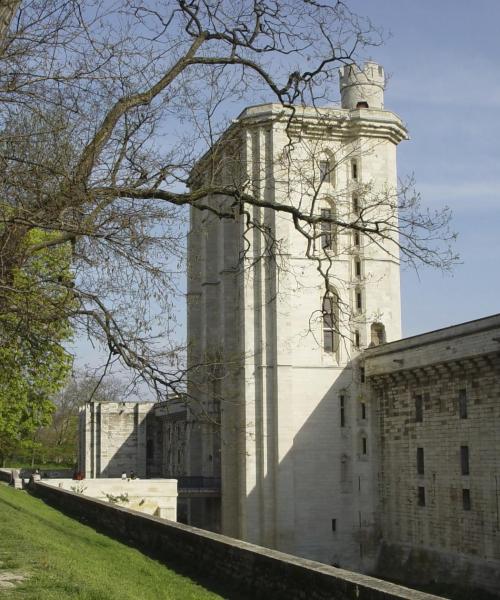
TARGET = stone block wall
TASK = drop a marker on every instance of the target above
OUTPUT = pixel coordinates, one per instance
(437, 398)
(251, 571)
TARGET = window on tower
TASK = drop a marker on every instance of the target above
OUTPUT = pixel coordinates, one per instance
(330, 310)
(328, 230)
(325, 171)
(354, 169)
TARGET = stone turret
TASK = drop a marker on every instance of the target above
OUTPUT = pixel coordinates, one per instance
(362, 88)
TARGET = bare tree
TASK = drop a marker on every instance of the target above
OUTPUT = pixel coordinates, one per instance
(105, 109)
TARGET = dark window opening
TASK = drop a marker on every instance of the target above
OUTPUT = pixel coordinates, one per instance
(421, 496)
(334, 524)
(464, 459)
(377, 334)
(356, 239)
(362, 104)
(356, 339)
(359, 300)
(419, 408)
(342, 411)
(462, 403)
(150, 449)
(357, 267)
(363, 410)
(420, 461)
(362, 374)
(466, 499)
(364, 445)
(354, 169)
(355, 205)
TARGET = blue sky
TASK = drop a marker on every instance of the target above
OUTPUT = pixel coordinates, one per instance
(443, 62)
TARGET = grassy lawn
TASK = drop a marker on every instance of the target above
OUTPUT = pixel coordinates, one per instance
(62, 558)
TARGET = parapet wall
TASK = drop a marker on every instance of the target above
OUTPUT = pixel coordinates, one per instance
(254, 571)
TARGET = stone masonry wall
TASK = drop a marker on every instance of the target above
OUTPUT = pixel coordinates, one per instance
(438, 408)
(251, 570)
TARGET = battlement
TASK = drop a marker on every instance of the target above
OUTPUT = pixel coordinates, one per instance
(362, 88)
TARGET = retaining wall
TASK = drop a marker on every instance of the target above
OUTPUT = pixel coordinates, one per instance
(256, 572)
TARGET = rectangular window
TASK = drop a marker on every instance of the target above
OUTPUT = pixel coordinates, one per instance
(342, 411)
(334, 524)
(364, 445)
(355, 205)
(325, 171)
(354, 169)
(421, 496)
(464, 459)
(356, 338)
(330, 304)
(356, 239)
(363, 410)
(462, 403)
(420, 461)
(362, 374)
(359, 300)
(466, 499)
(419, 408)
(357, 267)
(326, 229)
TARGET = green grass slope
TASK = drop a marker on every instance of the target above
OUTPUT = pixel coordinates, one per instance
(64, 559)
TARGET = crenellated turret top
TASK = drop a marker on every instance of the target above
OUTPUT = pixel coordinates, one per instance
(362, 88)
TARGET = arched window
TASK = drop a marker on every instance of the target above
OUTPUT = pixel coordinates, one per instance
(330, 310)
(377, 334)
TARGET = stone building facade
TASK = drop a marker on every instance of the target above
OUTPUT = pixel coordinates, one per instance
(435, 399)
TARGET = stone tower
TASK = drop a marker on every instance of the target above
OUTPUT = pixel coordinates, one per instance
(277, 319)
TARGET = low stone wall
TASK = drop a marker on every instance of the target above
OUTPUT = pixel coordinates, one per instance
(5, 475)
(151, 496)
(251, 570)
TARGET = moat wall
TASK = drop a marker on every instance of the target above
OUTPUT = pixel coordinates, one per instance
(252, 570)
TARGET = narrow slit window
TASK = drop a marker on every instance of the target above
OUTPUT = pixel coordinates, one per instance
(466, 502)
(355, 205)
(356, 339)
(419, 408)
(421, 496)
(363, 410)
(420, 461)
(342, 411)
(354, 169)
(464, 460)
(364, 446)
(334, 524)
(357, 267)
(462, 403)
(359, 300)
(357, 239)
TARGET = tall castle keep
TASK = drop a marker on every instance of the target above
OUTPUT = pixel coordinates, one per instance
(286, 329)
(308, 425)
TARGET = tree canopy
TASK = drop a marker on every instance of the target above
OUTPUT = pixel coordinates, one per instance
(105, 107)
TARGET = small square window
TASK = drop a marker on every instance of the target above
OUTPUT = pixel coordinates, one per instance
(466, 499)
(421, 496)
